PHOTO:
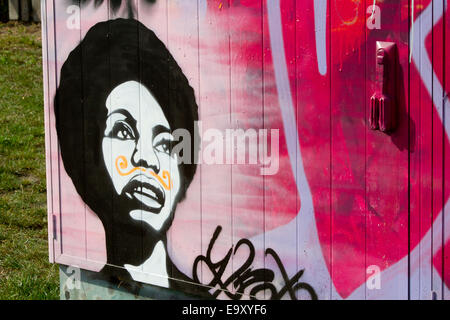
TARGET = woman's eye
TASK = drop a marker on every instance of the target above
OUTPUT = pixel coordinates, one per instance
(122, 131)
(164, 146)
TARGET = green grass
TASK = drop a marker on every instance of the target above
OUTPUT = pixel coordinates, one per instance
(25, 272)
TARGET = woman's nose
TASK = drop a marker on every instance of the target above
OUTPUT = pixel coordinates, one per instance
(144, 156)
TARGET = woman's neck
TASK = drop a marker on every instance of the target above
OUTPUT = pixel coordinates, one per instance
(154, 269)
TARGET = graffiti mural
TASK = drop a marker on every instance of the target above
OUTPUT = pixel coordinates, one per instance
(259, 279)
(223, 148)
(123, 167)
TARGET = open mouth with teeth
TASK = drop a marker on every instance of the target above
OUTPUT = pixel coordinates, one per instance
(149, 194)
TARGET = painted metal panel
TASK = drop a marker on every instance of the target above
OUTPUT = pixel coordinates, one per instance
(386, 163)
(313, 204)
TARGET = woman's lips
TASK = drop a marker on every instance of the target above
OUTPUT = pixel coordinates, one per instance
(147, 191)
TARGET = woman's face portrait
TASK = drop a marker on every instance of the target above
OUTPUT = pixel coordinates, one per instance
(136, 148)
(126, 102)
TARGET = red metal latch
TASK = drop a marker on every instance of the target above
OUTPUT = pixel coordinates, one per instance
(383, 105)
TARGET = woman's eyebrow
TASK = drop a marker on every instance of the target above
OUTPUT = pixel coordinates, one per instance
(160, 129)
(122, 111)
(128, 117)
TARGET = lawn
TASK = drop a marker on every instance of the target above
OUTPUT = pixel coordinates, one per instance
(25, 272)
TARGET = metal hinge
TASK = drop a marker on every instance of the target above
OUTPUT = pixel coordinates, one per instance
(434, 295)
(54, 226)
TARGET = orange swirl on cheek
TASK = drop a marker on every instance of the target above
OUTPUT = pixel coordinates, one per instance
(122, 165)
(166, 175)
